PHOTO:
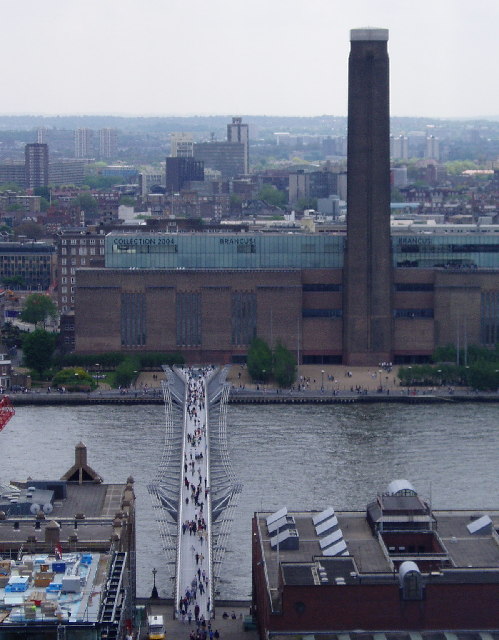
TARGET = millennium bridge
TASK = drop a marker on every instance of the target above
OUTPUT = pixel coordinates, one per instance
(194, 491)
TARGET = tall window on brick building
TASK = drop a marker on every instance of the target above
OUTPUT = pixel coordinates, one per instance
(133, 320)
(243, 317)
(490, 318)
(188, 319)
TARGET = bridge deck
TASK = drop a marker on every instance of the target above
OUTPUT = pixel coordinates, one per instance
(194, 580)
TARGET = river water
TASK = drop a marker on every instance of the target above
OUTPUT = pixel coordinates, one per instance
(305, 457)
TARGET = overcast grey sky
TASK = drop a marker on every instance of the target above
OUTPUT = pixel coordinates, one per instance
(265, 57)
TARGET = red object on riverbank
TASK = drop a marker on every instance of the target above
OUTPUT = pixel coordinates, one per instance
(6, 411)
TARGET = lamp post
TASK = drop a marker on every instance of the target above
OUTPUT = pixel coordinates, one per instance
(154, 592)
(322, 380)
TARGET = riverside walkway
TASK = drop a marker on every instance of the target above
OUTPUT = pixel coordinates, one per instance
(194, 490)
(266, 396)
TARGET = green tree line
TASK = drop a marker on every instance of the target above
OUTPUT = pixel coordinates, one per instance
(478, 368)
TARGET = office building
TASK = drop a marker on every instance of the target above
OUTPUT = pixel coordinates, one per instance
(182, 170)
(29, 265)
(312, 184)
(149, 180)
(36, 165)
(181, 145)
(396, 568)
(227, 157)
(239, 132)
(128, 173)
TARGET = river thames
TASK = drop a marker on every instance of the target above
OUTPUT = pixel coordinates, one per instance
(302, 457)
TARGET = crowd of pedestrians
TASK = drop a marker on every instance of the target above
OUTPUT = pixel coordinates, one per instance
(194, 604)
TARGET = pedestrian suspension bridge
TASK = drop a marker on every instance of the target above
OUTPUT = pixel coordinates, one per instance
(194, 491)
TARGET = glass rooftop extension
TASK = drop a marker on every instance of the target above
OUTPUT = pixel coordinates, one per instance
(290, 251)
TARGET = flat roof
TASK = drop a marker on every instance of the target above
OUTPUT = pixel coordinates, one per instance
(474, 556)
(99, 503)
(92, 499)
(43, 588)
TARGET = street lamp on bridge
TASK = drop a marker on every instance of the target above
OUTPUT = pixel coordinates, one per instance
(154, 592)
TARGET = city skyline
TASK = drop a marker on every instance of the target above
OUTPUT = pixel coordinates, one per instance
(279, 58)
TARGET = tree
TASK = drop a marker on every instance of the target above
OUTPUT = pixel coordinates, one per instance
(126, 371)
(37, 308)
(397, 195)
(284, 369)
(456, 167)
(236, 202)
(101, 182)
(12, 208)
(445, 353)
(12, 282)
(259, 360)
(11, 335)
(44, 192)
(484, 376)
(32, 230)
(86, 202)
(74, 379)
(128, 201)
(306, 203)
(38, 348)
(11, 186)
(269, 194)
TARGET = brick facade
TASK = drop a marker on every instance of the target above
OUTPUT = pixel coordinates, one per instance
(302, 308)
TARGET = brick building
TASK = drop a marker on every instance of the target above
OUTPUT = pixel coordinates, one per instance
(74, 250)
(68, 556)
(278, 286)
(397, 567)
(359, 299)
